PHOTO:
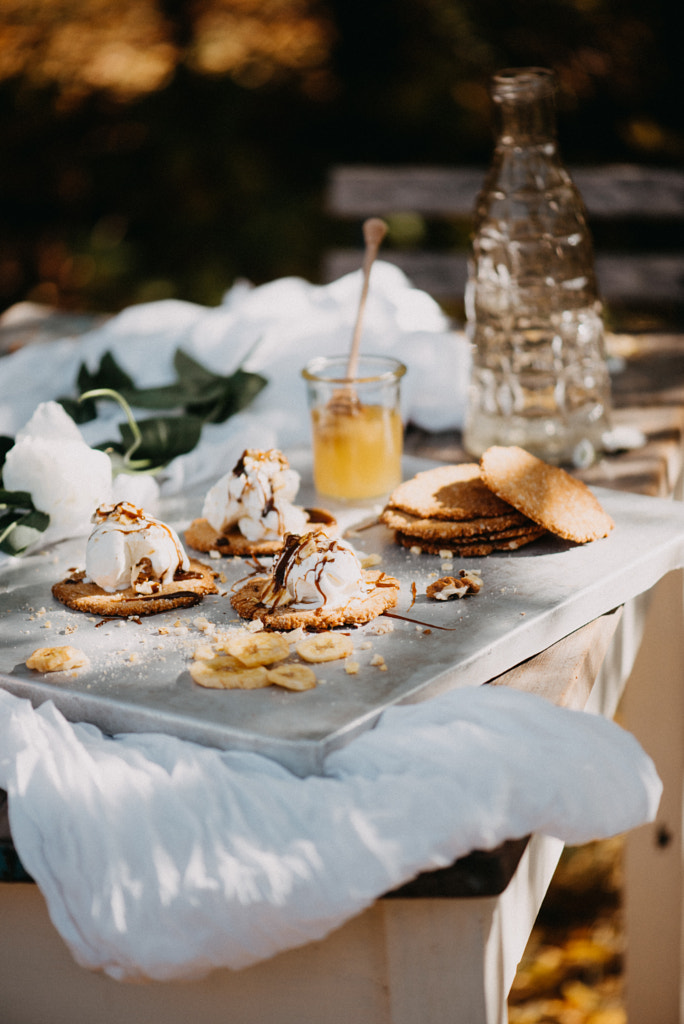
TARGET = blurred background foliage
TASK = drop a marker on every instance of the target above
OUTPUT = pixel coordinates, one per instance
(155, 148)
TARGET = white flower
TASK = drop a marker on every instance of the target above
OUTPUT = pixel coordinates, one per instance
(65, 477)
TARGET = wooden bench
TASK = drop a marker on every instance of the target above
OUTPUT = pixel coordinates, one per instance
(635, 213)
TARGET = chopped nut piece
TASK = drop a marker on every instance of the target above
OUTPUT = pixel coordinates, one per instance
(370, 560)
(468, 581)
(473, 577)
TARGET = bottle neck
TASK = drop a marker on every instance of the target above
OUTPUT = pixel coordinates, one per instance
(524, 107)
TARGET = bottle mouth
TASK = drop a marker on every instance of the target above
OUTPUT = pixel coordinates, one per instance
(532, 81)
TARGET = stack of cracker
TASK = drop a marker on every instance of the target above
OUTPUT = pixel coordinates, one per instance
(451, 509)
(508, 500)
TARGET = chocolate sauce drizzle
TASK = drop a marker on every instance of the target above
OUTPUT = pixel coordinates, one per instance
(419, 622)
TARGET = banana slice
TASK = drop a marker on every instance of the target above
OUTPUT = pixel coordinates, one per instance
(325, 647)
(57, 659)
(224, 672)
(293, 677)
(258, 648)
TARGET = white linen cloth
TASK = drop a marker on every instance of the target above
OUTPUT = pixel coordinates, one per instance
(273, 329)
(159, 858)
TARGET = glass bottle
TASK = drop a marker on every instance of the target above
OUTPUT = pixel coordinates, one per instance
(539, 376)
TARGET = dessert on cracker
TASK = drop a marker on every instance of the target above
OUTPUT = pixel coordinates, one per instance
(135, 565)
(316, 582)
(249, 510)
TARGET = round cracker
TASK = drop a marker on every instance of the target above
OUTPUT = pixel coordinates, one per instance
(548, 495)
(459, 530)
(454, 492)
(475, 547)
(183, 592)
(202, 536)
(383, 595)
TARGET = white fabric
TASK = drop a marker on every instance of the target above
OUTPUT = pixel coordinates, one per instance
(159, 858)
(273, 329)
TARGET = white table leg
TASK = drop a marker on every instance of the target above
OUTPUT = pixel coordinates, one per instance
(654, 711)
(454, 961)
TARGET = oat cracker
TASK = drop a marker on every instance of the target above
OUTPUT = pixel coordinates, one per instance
(383, 594)
(548, 495)
(453, 492)
(188, 589)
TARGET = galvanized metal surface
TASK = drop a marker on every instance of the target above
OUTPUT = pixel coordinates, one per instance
(138, 679)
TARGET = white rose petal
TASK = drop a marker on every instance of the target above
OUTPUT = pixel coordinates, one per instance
(64, 476)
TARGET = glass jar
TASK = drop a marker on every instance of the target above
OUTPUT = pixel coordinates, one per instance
(539, 375)
(356, 426)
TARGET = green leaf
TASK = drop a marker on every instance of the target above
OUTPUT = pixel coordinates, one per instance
(209, 396)
(196, 378)
(18, 511)
(5, 444)
(162, 439)
(235, 393)
(80, 412)
(201, 395)
(169, 396)
(108, 375)
(13, 499)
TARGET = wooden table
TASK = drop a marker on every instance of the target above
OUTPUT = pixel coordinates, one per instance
(646, 659)
(445, 948)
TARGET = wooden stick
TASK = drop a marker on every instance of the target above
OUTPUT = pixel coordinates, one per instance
(374, 230)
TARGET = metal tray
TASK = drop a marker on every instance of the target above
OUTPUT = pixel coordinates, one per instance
(139, 680)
